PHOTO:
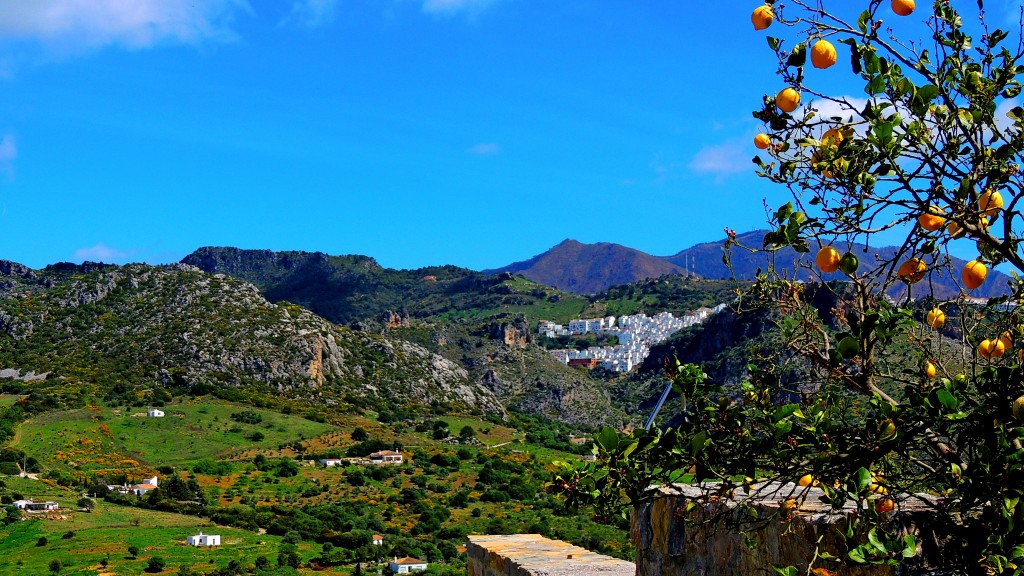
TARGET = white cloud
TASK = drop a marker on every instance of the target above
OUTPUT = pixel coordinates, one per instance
(8, 152)
(846, 107)
(721, 159)
(76, 24)
(454, 6)
(485, 149)
(1003, 122)
(313, 13)
(100, 253)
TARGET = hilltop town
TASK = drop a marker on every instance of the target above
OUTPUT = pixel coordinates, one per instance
(636, 334)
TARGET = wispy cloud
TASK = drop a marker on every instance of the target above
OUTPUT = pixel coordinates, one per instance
(485, 149)
(100, 253)
(313, 13)
(723, 159)
(8, 152)
(72, 25)
(455, 6)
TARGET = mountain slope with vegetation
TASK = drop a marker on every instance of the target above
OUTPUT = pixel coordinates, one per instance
(178, 327)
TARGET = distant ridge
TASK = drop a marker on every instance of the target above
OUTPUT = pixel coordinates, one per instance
(594, 268)
(590, 268)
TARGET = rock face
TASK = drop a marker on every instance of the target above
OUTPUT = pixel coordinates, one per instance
(178, 326)
(514, 333)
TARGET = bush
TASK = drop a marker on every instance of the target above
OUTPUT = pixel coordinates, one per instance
(155, 564)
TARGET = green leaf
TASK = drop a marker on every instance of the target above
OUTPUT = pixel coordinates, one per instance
(608, 439)
(909, 546)
(876, 541)
(862, 21)
(798, 57)
(948, 400)
(774, 43)
(863, 479)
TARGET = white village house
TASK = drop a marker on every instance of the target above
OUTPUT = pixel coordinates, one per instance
(328, 462)
(155, 413)
(137, 489)
(204, 540)
(378, 540)
(406, 565)
(386, 457)
(35, 506)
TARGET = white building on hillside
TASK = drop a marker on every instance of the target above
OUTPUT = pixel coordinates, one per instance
(204, 540)
(406, 565)
(155, 413)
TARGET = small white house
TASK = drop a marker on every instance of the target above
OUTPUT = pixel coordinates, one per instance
(386, 457)
(22, 504)
(406, 565)
(204, 540)
(328, 462)
(155, 413)
(378, 540)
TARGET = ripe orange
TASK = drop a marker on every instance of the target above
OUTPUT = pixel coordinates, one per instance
(823, 54)
(884, 505)
(807, 480)
(912, 271)
(954, 229)
(1018, 408)
(832, 136)
(990, 202)
(828, 259)
(985, 349)
(762, 141)
(787, 100)
(936, 318)
(790, 504)
(991, 348)
(930, 371)
(931, 220)
(974, 274)
(1007, 339)
(903, 7)
(762, 17)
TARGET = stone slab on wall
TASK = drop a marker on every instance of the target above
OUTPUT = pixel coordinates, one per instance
(535, 555)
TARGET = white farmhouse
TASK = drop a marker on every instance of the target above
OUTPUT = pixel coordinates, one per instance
(204, 540)
(406, 565)
(328, 462)
(155, 413)
(386, 457)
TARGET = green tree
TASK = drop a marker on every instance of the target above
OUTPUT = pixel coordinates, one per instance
(467, 433)
(156, 564)
(133, 552)
(55, 566)
(86, 504)
(869, 393)
(359, 435)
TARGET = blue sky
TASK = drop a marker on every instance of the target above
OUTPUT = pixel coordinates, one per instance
(419, 132)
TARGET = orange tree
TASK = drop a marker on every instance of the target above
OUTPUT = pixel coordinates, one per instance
(892, 403)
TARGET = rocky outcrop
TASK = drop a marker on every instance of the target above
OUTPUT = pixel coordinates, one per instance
(514, 333)
(179, 326)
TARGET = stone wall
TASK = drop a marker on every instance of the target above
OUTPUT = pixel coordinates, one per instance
(535, 555)
(741, 535)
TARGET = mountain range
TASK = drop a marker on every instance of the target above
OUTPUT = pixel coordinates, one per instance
(593, 268)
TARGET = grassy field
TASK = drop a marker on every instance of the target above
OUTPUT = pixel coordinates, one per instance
(82, 541)
(8, 400)
(104, 439)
